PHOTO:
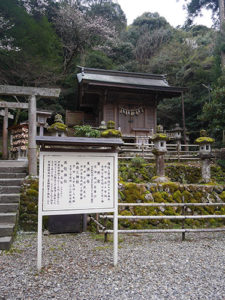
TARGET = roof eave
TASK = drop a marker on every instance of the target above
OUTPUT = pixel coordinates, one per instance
(174, 89)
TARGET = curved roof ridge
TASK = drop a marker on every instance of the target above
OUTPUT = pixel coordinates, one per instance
(122, 73)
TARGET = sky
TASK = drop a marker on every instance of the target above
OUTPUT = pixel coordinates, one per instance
(172, 10)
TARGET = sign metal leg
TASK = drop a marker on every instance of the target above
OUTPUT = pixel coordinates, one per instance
(115, 237)
(39, 249)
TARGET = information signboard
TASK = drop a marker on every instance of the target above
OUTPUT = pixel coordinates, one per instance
(77, 182)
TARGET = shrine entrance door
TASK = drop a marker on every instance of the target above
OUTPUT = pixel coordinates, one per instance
(130, 118)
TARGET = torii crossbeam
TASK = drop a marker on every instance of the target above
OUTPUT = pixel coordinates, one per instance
(32, 93)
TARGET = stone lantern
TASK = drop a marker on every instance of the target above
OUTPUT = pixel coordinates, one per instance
(42, 116)
(205, 154)
(177, 135)
(159, 151)
(58, 128)
(102, 126)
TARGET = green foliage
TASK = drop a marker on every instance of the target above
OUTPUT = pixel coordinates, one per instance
(112, 12)
(86, 131)
(147, 34)
(214, 113)
(42, 42)
(98, 60)
(150, 21)
(35, 47)
(137, 162)
(122, 53)
(221, 163)
(188, 60)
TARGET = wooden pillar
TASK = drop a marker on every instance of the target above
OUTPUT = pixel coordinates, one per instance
(5, 135)
(183, 117)
(32, 147)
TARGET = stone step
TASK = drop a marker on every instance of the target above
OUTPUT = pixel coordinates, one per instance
(6, 229)
(12, 169)
(11, 181)
(12, 175)
(9, 189)
(8, 207)
(14, 163)
(7, 218)
(9, 198)
(5, 242)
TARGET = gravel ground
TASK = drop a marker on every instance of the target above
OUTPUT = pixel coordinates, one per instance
(80, 266)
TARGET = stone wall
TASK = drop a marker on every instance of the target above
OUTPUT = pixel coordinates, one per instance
(170, 193)
(177, 172)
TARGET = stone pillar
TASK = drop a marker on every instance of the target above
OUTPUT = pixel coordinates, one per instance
(32, 147)
(159, 151)
(41, 133)
(206, 170)
(5, 135)
(160, 165)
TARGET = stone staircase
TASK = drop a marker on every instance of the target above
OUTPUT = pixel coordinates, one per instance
(12, 174)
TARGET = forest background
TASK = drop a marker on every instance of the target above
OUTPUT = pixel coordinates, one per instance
(43, 41)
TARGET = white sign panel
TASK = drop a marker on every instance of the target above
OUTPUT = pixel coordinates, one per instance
(77, 182)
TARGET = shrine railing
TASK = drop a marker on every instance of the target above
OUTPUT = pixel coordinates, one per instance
(174, 152)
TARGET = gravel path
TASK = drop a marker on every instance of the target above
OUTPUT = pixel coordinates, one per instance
(150, 267)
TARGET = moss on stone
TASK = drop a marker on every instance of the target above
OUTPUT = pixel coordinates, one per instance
(160, 136)
(177, 196)
(28, 210)
(175, 193)
(182, 173)
(111, 133)
(57, 127)
(111, 124)
(222, 196)
(32, 193)
(204, 140)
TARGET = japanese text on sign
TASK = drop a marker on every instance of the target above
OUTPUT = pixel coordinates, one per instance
(78, 182)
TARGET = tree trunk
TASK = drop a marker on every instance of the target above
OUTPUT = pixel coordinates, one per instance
(222, 29)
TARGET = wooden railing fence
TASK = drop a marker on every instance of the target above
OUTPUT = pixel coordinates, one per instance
(184, 152)
(184, 216)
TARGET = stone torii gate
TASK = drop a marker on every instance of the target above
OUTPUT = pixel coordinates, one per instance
(6, 114)
(32, 93)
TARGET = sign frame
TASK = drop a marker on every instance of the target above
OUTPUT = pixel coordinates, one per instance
(113, 209)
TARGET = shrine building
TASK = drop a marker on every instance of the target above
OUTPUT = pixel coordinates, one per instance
(129, 99)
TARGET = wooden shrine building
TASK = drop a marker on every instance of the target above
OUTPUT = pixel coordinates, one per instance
(129, 99)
